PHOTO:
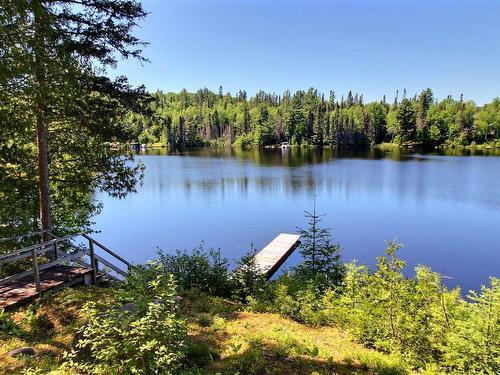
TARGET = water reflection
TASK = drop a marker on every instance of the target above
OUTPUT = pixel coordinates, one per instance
(298, 156)
(226, 171)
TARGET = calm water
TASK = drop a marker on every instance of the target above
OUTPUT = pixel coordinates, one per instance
(445, 209)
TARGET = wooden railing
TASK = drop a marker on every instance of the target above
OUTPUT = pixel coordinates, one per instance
(57, 255)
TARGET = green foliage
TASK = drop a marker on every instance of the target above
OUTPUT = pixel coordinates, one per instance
(37, 321)
(147, 338)
(473, 343)
(417, 319)
(487, 120)
(7, 325)
(49, 84)
(322, 261)
(406, 120)
(307, 118)
(204, 270)
(244, 141)
(248, 279)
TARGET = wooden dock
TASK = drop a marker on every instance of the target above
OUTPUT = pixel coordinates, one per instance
(271, 257)
(24, 289)
(64, 263)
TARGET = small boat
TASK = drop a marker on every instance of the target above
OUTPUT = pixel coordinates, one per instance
(144, 146)
(285, 145)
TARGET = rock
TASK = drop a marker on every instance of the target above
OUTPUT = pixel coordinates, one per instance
(129, 306)
(22, 351)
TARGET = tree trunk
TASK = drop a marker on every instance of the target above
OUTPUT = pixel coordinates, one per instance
(42, 131)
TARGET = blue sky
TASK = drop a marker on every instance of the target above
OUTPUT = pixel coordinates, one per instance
(370, 47)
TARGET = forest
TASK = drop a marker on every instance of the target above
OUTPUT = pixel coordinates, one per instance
(185, 119)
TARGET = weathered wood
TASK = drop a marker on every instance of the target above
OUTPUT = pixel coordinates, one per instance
(15, 277)
(36, 271)
(92, 262)
(61, 259)
(103, 260)
(111, 265)
(24, 290)
(12, 257)
(108, 275)
(40, 246)
(271, 257)
(25, 285)
(110, 252)
(25, 235)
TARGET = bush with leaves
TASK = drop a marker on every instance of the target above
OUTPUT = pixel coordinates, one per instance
(417, 319)
(472, 344)
(7, 324)
(204, 270)
(143, 337)
(248, 279)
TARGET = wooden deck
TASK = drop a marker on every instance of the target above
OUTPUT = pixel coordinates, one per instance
(23, 290)
(271, 257)
(67, 266)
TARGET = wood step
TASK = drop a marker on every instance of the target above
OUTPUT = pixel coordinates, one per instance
(23, 290)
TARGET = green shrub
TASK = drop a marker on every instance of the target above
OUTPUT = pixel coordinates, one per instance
(147, 338)
(248, 280)
(37, 321)
(473, 343)
(205, 320)
(204, 270)
(321, 263)
(198, 354)
(418, 320)
(7, 325)
(244, 141)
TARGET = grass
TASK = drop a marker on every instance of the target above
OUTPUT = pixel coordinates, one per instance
(244, 342)
(224, 339)
(49, 326)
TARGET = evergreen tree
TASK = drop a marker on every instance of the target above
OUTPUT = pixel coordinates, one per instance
(58, 105)
(321, 255)
(406, 120)
(248, 278)
(306, 118)
(424, 102)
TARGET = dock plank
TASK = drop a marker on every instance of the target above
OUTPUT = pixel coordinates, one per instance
(271, 257)
(23, 290)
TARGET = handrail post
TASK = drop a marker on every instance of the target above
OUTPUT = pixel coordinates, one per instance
(36, 271)
(55, 250)
(93, 262)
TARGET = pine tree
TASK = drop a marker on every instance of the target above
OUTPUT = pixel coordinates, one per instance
(424, 102)
(321, 255)
(406, 120)
(248, 278)
(53, 90)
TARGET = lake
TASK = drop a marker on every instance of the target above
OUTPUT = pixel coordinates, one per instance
(444, 209)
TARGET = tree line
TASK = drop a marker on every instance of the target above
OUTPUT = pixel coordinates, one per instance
(309, 118)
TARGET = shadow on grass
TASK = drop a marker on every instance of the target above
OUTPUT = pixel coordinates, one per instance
(263, 357)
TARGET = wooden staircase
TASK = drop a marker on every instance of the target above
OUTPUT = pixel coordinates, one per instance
(56, 263)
